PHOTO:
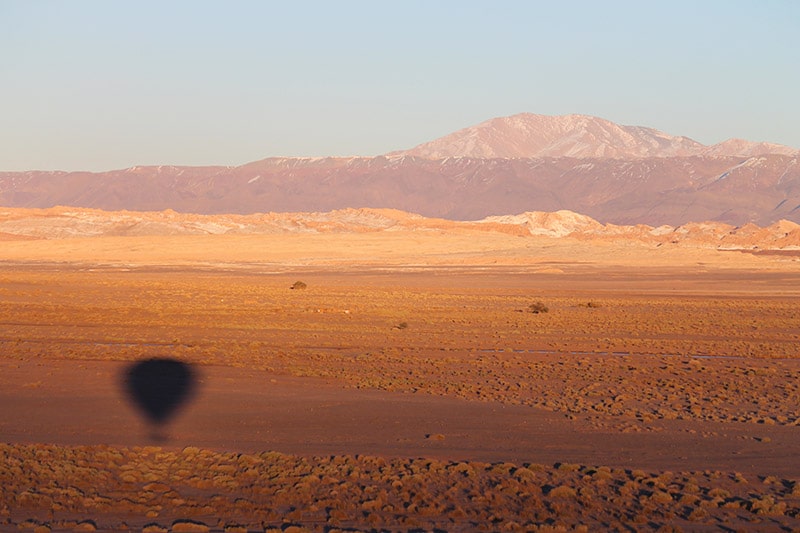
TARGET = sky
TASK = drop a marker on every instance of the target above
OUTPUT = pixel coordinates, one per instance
(100, 85)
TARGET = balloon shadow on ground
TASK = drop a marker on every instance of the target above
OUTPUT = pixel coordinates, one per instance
(158, 388)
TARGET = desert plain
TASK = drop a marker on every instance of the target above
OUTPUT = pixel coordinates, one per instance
(408, 386)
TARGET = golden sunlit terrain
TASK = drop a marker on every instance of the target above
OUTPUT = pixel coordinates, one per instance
(552, 393)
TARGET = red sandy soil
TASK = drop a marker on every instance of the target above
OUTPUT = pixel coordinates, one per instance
(378, 398)
(83, 403)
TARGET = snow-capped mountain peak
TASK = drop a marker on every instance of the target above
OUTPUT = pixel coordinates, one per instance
(579, 136)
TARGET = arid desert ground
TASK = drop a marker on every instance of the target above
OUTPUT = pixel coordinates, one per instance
(408, 386)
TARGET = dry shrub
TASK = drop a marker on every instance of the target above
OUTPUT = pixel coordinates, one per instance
(562, 491)
(538, 307)
(718, 492)
(189, 526)
(697, 515)
(661, 497)
(766, 505)
(524, 474)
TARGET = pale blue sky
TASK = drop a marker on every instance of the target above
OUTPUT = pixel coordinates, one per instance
(98, 85)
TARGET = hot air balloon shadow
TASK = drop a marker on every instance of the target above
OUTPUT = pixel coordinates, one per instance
(159, 387)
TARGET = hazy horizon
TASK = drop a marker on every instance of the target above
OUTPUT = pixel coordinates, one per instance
(92, 85)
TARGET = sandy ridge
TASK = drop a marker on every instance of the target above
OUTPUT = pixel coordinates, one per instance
(68, 222)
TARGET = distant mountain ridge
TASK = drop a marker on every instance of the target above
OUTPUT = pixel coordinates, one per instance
(528, 135)
(614, 174)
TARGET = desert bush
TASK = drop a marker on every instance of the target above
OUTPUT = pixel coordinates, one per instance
(538, 307)
(298, 285)
(189, 526)
(562, 491)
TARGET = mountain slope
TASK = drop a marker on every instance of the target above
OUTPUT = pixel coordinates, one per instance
(743, 148)
(615, 174)
(528, 135)
(653, 191)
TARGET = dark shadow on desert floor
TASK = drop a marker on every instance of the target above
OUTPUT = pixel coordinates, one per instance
(159, 388)
(639, 401)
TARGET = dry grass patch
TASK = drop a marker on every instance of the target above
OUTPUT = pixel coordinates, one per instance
(271, 490)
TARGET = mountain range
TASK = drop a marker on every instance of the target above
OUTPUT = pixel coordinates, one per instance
(522, 163)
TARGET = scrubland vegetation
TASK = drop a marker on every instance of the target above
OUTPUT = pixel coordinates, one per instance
(625, 361)
(150, 489)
